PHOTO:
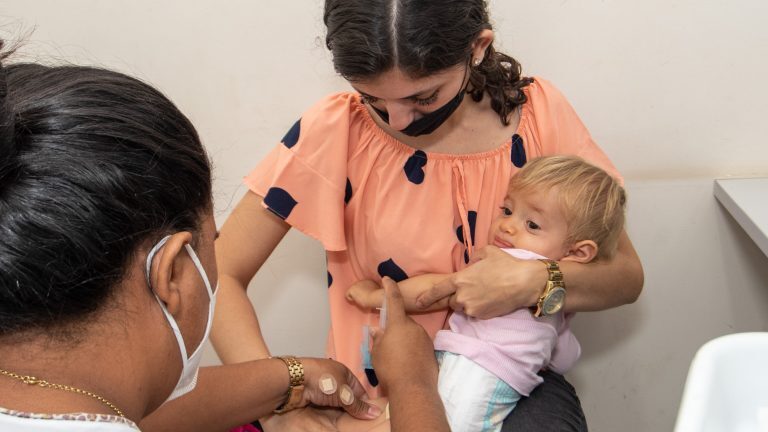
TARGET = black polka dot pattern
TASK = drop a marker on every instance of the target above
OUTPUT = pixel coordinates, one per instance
(348, 192)
(414, 167)
(292, 137)
(518, 151)
(280, 202)
(372, 378)
(389, 268)
(472, 219)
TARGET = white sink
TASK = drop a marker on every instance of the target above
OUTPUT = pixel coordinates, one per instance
(727, 386)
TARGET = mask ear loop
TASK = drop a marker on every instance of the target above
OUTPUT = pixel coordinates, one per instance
(151, 257)
(190, 362)
(169, 317)
(199, 265)
(192, 255)
(211, 295)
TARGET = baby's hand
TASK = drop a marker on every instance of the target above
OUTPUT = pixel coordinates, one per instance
(366, 293)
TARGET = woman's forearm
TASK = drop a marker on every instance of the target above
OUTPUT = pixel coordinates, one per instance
(405, 363)
(604, 284)
(225, 397)
(236, 334)
(245, 241)
(497, 283)
(415, 408)
(232, 395)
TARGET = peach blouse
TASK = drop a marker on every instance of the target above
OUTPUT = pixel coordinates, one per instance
(381, 208)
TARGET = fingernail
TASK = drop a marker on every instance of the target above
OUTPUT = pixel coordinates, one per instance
(374, 411)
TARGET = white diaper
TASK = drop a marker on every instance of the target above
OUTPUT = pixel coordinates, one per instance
(475, 400)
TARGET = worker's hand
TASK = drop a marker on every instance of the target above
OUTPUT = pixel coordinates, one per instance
(402, 352)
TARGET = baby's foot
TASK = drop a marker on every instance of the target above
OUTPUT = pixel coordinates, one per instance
(366, 293)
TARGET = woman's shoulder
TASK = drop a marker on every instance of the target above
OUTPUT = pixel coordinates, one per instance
(542, 91)
(547, 106)
(557, 127)
(334, 114)
(334, 104)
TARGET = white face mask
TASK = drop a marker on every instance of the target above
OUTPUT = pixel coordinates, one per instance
(191, 364)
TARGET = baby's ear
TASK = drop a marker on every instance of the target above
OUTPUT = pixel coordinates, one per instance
(582, 252)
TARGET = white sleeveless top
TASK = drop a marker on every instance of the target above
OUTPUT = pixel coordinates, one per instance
(16, 421)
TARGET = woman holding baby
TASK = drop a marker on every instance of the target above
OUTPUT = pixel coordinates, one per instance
(403, 176)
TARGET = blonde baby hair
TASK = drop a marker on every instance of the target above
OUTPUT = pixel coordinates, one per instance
(592, 201)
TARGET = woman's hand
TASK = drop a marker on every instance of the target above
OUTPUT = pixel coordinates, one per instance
(328, 384)
(402, 352)
(494, 284)
(405, 364)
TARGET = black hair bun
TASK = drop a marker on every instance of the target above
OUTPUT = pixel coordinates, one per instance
(9, 164)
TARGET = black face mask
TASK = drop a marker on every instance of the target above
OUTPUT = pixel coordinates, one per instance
(429, 122)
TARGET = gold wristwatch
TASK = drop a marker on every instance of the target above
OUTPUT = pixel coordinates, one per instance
(295, 395)
(553, 297)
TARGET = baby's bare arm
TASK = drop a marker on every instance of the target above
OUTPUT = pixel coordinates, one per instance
(368, 294)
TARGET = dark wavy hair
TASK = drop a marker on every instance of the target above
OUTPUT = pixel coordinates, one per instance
(421, 37)
(94, 165)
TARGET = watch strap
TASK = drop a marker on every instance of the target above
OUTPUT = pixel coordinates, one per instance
(553, 270)
(295, 395)
(554, 280)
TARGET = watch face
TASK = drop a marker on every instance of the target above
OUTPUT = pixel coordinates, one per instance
(554, 301)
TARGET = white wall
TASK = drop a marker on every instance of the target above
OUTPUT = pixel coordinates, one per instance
(673, 90)
(704, 278)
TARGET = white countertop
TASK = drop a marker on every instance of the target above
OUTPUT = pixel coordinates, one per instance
(747, 201)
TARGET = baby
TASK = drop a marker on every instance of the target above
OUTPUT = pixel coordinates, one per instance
(558, 208)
